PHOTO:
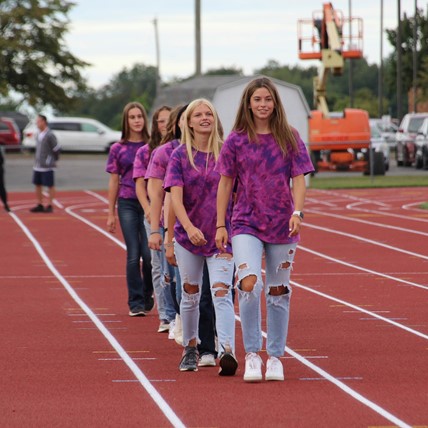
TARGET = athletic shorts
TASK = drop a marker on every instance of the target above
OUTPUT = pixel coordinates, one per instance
(43, 178)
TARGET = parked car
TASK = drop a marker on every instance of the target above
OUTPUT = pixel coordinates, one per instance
(380, 148)
(421, 142)
(10, 135)
(388, 130)
(406, 135)
(75, 134)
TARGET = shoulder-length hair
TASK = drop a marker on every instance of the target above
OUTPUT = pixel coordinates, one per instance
(188, 137)
(279, 127)
(173, 131)
(125, 125)
(155, 135)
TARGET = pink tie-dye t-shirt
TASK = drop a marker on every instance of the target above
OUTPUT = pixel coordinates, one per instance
(199, 198)
(121, 161)
(264, 203)
(142, 158)
(159, 160)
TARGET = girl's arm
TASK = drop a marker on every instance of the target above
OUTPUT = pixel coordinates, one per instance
(195, 235)
(141, 190)
(169, 235)
(156, 195)
(223, 196)
(299, 193)
(113, 190)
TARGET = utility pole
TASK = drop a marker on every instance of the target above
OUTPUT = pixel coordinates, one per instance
(398, 49)
(415, 58)
(380, 82)
(198, 67)
(158, 79)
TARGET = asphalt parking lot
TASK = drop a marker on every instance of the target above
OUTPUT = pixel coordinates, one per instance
(77, 171)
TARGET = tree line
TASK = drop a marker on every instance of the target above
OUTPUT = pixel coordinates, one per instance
(38, 69)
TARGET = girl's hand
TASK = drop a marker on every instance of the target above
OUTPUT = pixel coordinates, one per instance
(155, 241)
(221, 237)
(170, 255)
(196, 237)
(294, 225)
(111, 223)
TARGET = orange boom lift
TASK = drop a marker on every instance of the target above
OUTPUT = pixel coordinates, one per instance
(335, 139)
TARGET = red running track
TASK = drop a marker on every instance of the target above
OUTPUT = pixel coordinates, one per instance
(358, 341)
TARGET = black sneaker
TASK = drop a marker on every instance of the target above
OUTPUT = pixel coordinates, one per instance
(37, 209)
(137, 312)
(49, 209)
(228, 363)
(189, 362)
(148, 305)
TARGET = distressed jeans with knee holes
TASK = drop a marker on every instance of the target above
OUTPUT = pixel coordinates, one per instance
(247, 253)
(220, 272)
(161, 287)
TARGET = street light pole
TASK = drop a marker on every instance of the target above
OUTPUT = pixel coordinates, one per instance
(398, 48)
(155, 23)
(415, 59)
(380, 83)
(351, 86)
(198, 66)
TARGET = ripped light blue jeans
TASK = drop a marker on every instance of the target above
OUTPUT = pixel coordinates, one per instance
(248, 253)
(220, 270)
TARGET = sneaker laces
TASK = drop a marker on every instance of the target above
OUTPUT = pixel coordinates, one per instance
(253, 360)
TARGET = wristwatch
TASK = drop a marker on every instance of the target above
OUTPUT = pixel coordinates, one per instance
(298, 213)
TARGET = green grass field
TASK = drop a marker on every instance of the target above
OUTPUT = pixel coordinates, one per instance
(363, 181)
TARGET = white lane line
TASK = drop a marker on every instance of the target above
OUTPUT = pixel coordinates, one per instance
(341, 385)
(154, 394)
(386, 214)
(369, 241)
(354, 198)
(354, 394)
(373, 272)
(360, 309)
(371, 223)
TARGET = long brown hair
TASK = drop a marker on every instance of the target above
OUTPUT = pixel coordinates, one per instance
(155, 135)
(279, 127)
(172, 129)
(125, 126)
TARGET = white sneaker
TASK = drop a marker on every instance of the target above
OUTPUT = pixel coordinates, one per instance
(163, 326)
(178, 330)
(206, 360)
(274, 369)
(171, 330)
(253, 367)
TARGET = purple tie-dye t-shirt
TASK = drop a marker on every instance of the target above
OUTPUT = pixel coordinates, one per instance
(159, 160)
(264, 202)
(121, 161)
(199, 198)
(142, 158)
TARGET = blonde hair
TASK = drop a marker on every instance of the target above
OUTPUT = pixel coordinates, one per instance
(188, 138)
(282, 132)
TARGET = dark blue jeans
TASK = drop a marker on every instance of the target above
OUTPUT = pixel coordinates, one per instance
(138, 278)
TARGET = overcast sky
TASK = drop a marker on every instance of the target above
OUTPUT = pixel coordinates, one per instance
(242, 33)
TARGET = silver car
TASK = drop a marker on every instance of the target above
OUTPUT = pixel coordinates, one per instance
(75, 134)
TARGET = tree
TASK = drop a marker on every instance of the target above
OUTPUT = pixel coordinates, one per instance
(408, 42)
(34, 60)
(106, 103)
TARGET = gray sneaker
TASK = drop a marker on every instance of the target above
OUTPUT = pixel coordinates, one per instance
(189, 361)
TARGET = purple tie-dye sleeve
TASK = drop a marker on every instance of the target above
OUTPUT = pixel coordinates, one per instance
(226, 163)
(141, 162)
(174, 172)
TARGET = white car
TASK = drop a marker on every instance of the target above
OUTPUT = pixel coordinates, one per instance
(75, 134)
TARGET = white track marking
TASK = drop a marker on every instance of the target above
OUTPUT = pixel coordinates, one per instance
(157, 398)
(336, 382)
(369, 241)
(358, 308)
(386, 214)
(393, 278)
(354, 394)
(371, 223)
